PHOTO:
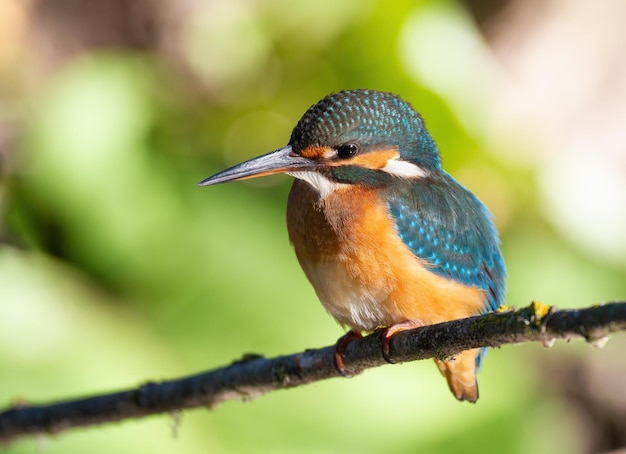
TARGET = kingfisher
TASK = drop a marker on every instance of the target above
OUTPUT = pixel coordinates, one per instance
(385, 235)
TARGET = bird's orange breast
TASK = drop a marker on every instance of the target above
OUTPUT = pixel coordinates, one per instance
(359, 267)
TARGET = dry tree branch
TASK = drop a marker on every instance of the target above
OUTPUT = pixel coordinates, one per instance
(255, 375)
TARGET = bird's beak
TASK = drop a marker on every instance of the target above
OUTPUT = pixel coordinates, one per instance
(279, 161)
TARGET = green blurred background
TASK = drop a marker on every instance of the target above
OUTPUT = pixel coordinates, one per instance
(116, 269)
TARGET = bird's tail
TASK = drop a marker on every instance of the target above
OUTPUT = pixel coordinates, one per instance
(460, 372)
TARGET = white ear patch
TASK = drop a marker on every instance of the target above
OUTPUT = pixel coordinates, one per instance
(323, 185)
(404, 169)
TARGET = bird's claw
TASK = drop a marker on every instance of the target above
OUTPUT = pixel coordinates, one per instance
(389, 332)
(340, 348)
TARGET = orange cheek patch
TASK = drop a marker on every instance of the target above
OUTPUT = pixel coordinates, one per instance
(375, 160)
(315, 152)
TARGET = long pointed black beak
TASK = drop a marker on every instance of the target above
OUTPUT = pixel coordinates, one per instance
(279, 161)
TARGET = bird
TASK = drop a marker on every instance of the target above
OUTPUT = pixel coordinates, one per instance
(387, 238)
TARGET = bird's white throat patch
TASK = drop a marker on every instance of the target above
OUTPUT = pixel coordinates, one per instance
(323, 185)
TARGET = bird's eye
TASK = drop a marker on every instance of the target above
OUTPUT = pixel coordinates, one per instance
(347, 151)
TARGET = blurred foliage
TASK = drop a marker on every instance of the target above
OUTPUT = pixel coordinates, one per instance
(115, 268)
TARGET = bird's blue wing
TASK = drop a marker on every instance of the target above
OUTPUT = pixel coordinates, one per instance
(450, 229)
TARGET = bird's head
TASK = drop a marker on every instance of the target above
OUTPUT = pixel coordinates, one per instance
(361, 137)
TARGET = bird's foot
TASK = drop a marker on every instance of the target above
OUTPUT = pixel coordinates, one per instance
(340, 348)
(390, 331)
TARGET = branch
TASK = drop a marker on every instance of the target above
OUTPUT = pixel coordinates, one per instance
(255, 375)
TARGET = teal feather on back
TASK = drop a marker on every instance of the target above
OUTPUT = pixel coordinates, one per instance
(444, 224)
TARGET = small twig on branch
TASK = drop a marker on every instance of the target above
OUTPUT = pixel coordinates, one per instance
(254, 375)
